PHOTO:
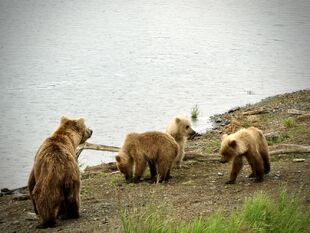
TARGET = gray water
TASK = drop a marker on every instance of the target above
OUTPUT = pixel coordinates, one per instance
(133, 65)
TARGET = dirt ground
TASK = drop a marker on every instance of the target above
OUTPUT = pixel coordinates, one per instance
(197, 189)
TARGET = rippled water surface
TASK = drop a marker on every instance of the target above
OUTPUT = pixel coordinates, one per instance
(133, 65)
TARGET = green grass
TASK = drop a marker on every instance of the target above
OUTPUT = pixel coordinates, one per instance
(195, 112)
(282, 138)
(289, 122)
(213, 146)
(258, 214)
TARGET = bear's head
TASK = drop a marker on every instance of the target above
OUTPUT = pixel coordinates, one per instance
(124, 165)
(230, 148)
(184, 127)
(78, 126)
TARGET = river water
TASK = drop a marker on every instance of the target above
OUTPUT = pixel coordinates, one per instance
(133, 65)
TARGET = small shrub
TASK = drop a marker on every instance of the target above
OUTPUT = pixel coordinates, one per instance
(195, 112)
(289, 122)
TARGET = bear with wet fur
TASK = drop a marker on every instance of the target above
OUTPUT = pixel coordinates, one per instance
(54, 182)
(251, 144)
(156, 149)
(180, 129)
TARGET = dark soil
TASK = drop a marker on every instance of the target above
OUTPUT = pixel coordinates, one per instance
(197, 189)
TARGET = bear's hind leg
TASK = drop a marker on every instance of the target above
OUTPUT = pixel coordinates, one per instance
(46, 224)
(31, 184)
(163, 171)
(259, 169)
(153, 171)
(265, 156)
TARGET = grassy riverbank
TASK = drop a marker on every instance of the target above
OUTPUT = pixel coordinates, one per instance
(197, 191)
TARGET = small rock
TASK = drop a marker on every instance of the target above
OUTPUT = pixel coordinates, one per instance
(298, 160)
(105, 221)
(21, 197)
(272, 136)
(296, 112)
(233, 109)
(218, 120)
(220, 173)
(31, 216)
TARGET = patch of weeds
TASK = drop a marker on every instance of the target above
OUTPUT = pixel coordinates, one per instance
(213, 146)
(114, 180)
(245, 124)
(195, 112)
(289, 122)
(283, 137)
(258, 214)
(299, 134)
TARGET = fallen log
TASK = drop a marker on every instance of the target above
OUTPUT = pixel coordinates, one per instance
(273, 150)
(92, 146)
(296, 112)
(288, 149)
(255, 111)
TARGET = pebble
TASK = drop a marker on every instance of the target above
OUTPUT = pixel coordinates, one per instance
(220, 173)
(218, 120)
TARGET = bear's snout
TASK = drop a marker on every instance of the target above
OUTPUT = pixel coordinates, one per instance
(89, 132)
(193, 133)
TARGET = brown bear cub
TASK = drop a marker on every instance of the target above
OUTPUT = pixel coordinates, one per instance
(180, 129)
(54, 182)
(251, 144)
(156, 149)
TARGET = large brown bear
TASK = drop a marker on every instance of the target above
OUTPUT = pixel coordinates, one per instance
(251, 144)
(54, 182)
(180, 129)
(156, 149)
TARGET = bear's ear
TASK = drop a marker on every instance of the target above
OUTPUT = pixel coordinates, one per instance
(177, 120)
(81, 121)
(118, 158)
(224, 136)
(63, 119)
(233, 143)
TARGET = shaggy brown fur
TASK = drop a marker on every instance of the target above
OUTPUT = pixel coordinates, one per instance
(251, 144)
(54, 182)
(156, 149)
(180, 129)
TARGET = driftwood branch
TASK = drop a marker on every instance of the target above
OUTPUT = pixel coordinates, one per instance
(273, 150)
(288, 149)
(92, 146)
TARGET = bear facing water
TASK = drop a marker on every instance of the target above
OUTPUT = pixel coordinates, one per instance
(180, 129)
(54, 182)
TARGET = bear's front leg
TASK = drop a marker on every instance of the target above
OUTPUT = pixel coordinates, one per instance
(139, 169)
(236, 167)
